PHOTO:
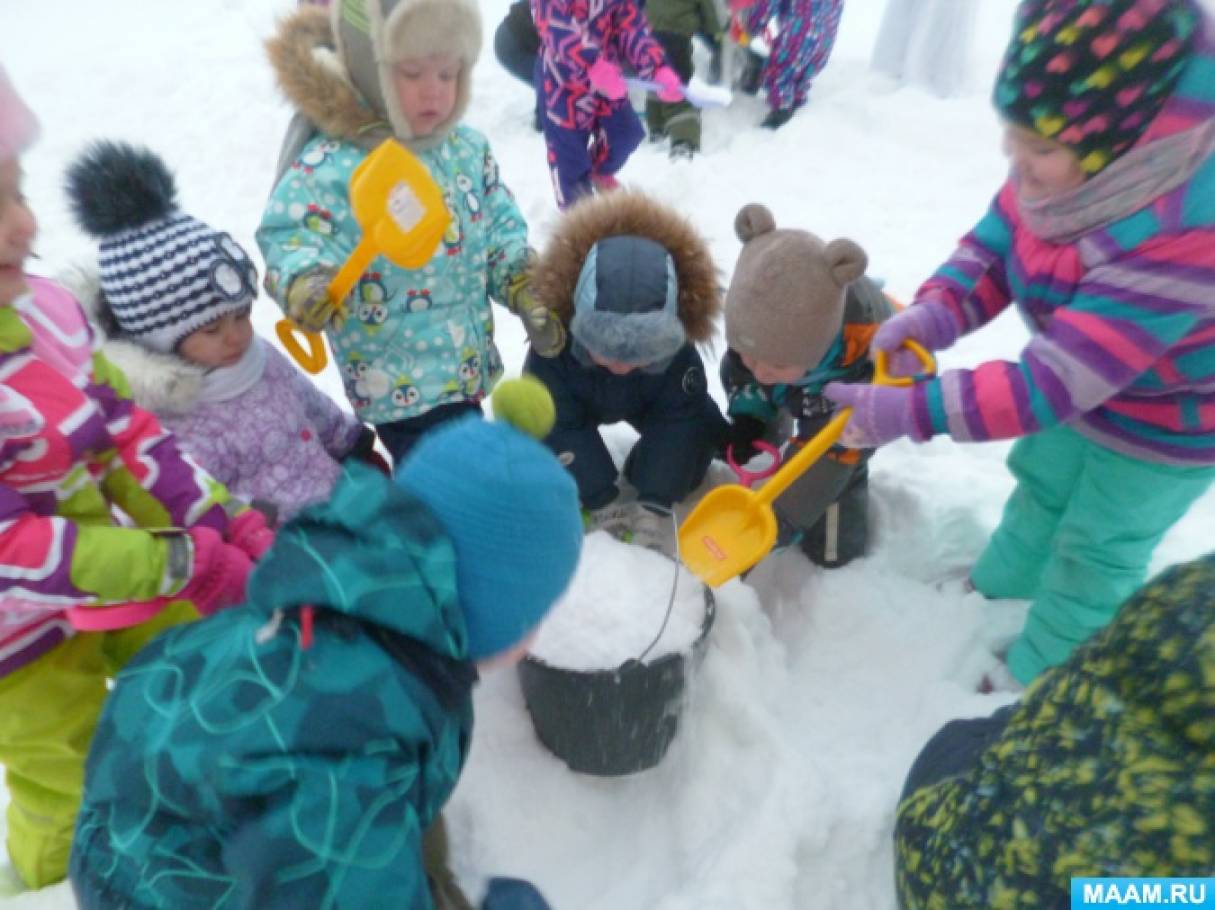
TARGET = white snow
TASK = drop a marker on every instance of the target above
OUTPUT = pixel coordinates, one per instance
(818, 687)
(613, 610)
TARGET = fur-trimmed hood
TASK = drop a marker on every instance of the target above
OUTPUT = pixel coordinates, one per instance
(160, 383)
(625, 212)
(336, 68)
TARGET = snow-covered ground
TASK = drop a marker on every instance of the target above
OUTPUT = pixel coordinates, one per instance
(818, 687)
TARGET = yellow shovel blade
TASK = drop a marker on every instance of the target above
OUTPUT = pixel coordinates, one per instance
(728, 532)
(396, 201)
(401, 211)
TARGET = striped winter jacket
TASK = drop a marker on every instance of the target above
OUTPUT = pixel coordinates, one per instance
(1123, 318)
(72, 447)
(576, 33)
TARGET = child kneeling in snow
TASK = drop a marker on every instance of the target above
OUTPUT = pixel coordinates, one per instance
(800, 313)
(175, 296)
(290, 752)
(637, 287)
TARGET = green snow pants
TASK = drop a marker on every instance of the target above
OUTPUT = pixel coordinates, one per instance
(48, 710)
(1076, 538)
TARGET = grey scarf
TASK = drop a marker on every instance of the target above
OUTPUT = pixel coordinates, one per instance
(1123, 188)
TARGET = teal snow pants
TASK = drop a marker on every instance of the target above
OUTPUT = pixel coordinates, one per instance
(1076, 537)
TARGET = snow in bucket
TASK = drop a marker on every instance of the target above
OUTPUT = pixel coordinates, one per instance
(614, 608)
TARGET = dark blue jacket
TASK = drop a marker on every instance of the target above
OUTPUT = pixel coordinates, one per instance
(679, 423)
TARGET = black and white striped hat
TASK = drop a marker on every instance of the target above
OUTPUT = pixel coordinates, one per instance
(164, 273)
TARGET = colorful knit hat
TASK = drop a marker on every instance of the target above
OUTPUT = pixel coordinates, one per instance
(164, 273)
(18, 126)
(510, 509)
(1092, 74)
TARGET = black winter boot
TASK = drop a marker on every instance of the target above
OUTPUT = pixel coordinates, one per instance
(778, 118)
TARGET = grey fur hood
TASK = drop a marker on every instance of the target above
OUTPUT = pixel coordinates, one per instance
(160, 383)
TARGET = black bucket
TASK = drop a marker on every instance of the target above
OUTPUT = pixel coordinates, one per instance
(612, 722)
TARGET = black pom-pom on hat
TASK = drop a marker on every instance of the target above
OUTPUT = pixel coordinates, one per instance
(115, 187)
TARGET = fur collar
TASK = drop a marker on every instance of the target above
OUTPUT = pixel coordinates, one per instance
(160, 383)
(311, 76)
(555, 275)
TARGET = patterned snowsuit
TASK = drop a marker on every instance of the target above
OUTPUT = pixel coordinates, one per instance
(72, 448)
(586, 133)
(804, 39)
(233, 767)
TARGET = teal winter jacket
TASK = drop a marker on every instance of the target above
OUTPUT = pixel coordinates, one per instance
(237, 764)
(412, 339)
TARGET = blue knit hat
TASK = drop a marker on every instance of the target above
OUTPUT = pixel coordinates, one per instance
(626, 302)
(511, 511)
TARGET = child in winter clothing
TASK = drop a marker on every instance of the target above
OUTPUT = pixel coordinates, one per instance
(638, 289)
(674, 23)
(1103, 770)
(186, 344)
(75, 451)
(589, 125)
(798, 53)
(1104, 236)
(298, 746)
(799, 314)
(416, 346)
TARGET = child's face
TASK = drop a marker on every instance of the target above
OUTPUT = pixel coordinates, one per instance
(17, 229)
(1043, 168)
(221, 343)
(615, 367)
(426, 90)
(772, 373)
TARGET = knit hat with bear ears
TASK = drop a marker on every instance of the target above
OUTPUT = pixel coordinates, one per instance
(785, 304)
(373, 36)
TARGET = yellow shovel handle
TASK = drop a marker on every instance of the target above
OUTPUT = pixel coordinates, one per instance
(830, 434)
(312, 358)
(352, 270)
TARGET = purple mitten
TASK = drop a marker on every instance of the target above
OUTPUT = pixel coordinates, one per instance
(929, 322)
(607, 79)
(880, 413)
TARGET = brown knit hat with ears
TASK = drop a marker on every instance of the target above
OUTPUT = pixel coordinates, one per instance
(785, 304)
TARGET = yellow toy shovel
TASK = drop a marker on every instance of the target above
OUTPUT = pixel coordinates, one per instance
(733, 528)
(400, 209)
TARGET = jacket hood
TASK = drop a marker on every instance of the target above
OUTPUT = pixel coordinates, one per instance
(628, 213)
(160, 383)
(374, 552)
(335, 66)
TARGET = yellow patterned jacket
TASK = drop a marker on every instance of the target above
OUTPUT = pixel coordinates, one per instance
(1106, 768)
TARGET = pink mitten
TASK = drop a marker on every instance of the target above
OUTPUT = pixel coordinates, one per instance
(672, 87)
(249, 532)
(218, 577)
(607, 79)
